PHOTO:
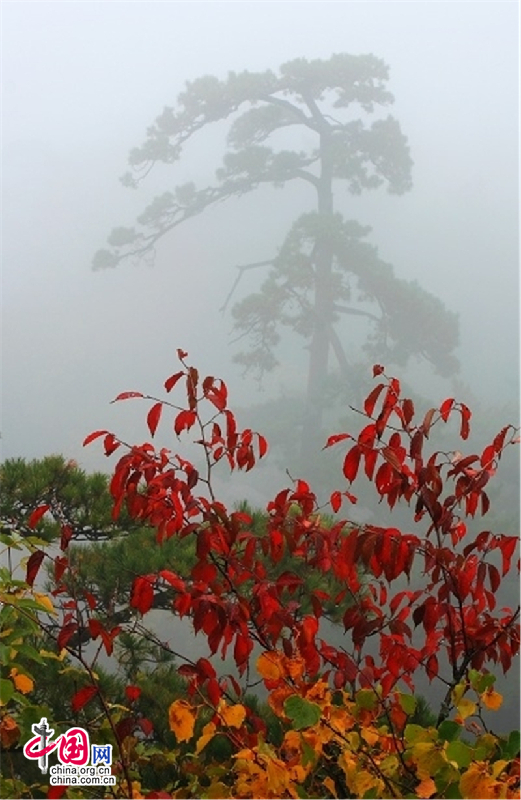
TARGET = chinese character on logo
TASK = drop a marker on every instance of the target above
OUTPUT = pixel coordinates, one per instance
(101, 754)
(74, 747)
(39, 747)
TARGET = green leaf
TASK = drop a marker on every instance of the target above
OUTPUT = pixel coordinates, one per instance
(510, 748)
(309, 755)
(5, 654)
(6, 690)
(460, 753)
(302, 713)
(480, 682)
(8, 540)
(408, 703)
(452, 792)
(449, 730)
(30, 652)
(416, 733)
(366, 699)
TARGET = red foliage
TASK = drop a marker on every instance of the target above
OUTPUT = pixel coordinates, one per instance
(235, 600)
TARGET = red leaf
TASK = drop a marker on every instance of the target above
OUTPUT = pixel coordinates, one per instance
(37, 514)
(90, 438)
(33, 565)
(488, 455)
(66, 536)
(377, 370)
(351, 463)
(499, 440)
(110, 443)
(263, 445)
(205, 668)
(173, 579)
(309, 629)
(465, 419)
(132, 693)
(427, 421)
(507, 545)
(95, 628)
(147, 727)
(216, 394)
(214, 692)
(337, 437)
(60, 565)
(66, 634)
(56, 792)
(82, 697)
(127, 396)
(408, 410)
(416, 445)
(494, 577)
(142, 594)
(241, 651)
(371, 399)
(336, 500)
(446, 407)
(153, 417)
(184, 420)
(172, 380)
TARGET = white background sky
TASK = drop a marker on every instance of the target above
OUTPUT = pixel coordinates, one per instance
(82, 81)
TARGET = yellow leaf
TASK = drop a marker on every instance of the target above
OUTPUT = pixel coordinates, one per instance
(217, 790)
(49, 654)
(426, 788)
(206, 736)
(330, 785)
(492, 699)
(233, 716)
(45, 601)
(268, 666)
(498, 767)
(476, 782)
(429, 758)
(278, 776)
(181, 718)
(466, 708)
(23, 683)
(369, 735)
(458, 692)
(363, 781)
(245, 755)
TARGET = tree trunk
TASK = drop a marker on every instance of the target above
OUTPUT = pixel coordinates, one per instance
(311, 441)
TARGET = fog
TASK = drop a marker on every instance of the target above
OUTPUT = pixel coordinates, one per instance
(82, 82)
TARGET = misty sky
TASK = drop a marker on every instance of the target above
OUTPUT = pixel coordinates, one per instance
(81, 83)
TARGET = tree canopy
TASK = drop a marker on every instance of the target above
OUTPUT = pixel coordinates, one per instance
(325, 270)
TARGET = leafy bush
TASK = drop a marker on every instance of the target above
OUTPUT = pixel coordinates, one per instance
(339, 720)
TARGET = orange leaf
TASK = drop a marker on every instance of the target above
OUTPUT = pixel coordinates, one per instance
(233, 716)
(425, 789)
(206, 736)
(181, 718)
(9, 731)
(268, 666)
(492, 699)
(23, 683)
